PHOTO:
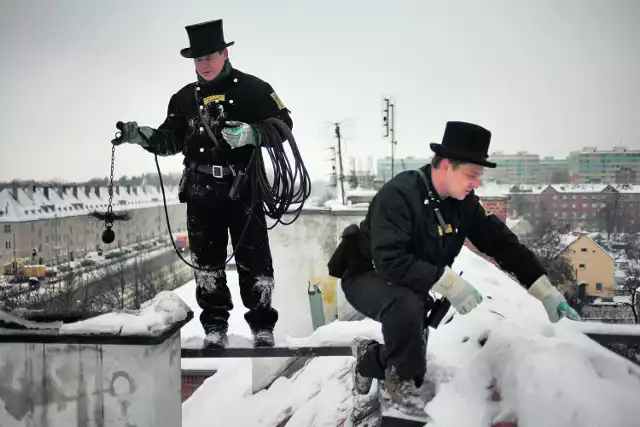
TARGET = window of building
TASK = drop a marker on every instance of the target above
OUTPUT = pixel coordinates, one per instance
(598, 287)
(582, 266)
(7, 228)
(7, 245)
(583, 249)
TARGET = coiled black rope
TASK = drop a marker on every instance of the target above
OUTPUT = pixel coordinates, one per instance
(287, 189)
(275, 199)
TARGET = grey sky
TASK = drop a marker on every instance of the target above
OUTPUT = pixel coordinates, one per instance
(545, 76)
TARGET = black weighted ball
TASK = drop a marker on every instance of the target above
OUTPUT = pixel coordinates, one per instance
(108, 236)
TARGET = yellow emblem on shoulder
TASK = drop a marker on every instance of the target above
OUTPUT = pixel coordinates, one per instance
(213, 98)
(486, 211)
(277, 99)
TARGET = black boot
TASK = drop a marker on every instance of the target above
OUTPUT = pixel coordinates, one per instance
(402, 398)
(216, 336)
(263, 338)
(359, 346)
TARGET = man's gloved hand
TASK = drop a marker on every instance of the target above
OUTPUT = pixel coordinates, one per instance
(238, 134)
(552, 300)
(458, 291)
(131, 133)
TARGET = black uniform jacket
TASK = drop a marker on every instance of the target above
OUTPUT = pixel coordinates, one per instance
(401, 239)
(243, 97)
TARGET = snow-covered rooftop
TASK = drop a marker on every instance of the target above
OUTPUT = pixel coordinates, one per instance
(31, 204)
(547, 374)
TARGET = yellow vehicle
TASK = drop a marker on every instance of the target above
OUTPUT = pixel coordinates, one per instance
(7, 268)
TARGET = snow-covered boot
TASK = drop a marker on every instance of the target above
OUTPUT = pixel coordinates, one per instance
(401, 398)
(359, 346)
(216, 337)
(263, 338)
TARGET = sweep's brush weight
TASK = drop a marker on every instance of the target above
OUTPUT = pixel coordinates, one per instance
(109, 217)
(108, 236)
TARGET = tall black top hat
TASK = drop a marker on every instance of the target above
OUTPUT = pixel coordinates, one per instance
(465, 142)
(205, 38)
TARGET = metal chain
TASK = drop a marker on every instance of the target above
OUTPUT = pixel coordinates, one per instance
(109, 221)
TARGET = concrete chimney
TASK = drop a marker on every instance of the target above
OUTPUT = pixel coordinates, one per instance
(46, 192)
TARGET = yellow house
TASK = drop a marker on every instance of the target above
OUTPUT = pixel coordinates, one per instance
(593, 267)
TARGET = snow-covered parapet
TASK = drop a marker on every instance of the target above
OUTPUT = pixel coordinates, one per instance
(154, 318)
(116, 369)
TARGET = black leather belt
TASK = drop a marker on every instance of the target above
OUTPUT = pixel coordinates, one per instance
(218, 171)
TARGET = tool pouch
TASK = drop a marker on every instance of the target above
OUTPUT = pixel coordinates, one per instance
(347, 249)
(239, 182)
(437, 313)
(182, 187)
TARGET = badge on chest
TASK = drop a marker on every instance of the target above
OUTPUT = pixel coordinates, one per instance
(213, 98)
(448, 230)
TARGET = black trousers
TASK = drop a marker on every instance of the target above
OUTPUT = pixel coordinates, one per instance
(211, 217)
(401, 311)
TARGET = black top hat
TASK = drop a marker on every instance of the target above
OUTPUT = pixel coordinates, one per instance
(205, 38)
(465, 142)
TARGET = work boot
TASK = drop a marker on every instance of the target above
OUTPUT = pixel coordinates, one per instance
(216, 336)
(402, 398)
(263, 338)
(359, 346)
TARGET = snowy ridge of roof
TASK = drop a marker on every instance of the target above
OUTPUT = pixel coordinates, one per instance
(512, 222)
(31, 204)
(492, 189)
(541, 370)
(579, 188)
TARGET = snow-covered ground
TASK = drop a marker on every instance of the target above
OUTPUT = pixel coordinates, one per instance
(547, 374)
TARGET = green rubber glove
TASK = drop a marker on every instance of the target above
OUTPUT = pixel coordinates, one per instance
(552, 300)
(238, 134)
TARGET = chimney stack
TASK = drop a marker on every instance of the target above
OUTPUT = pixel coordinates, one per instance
(46, 192)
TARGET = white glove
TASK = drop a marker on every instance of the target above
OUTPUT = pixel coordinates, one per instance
(552, 300)
(459, 292)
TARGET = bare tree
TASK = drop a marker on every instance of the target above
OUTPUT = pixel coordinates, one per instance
(546, 242)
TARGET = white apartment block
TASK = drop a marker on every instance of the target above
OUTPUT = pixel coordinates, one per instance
(55, 221)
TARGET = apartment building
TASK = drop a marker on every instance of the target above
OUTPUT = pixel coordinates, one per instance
(522, 167)
(55, 223)
(399, 165)
(594, 207)
(619, 165)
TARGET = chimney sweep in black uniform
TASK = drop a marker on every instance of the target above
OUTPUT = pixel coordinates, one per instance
(414, 229)
(219, 123)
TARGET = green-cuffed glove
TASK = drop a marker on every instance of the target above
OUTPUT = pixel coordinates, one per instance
(238, 134)
(552, 300)
(131, 133)
(459, 292)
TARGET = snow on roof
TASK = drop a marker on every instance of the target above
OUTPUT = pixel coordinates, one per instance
(491, 189)
(31, 204)
(579, 188)
(540, 369)
(526, 189)
(627, 188)
(512, 222)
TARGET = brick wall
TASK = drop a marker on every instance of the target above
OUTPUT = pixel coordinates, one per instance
(497, 206)
(191, 380)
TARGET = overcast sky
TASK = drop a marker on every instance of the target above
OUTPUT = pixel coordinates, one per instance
(546, 76)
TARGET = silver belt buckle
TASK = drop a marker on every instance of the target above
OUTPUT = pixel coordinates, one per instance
(217, 171)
